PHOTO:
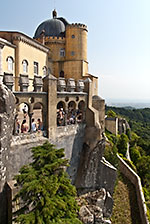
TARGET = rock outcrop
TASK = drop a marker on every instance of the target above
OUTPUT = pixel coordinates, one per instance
(95, 207)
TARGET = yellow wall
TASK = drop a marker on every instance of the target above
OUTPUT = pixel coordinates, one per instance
(55, 44)
(31, 54)
(78, 44)
(6, 52)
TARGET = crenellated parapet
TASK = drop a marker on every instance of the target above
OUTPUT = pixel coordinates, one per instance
(78, 25)
(51, 40)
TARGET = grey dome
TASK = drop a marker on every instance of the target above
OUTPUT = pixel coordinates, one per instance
(51, 27)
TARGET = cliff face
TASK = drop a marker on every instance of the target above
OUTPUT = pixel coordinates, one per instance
(95, 184)
(94, 171)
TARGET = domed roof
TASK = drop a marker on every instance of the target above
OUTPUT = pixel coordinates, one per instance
(51, 27)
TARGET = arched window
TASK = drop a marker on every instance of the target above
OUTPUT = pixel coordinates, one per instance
(25, 66)
(44, 71)
(36, 68)
(61, 74)
(62, 52)
(10, 62)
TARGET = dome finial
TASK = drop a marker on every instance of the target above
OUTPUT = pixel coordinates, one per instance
(54, 14)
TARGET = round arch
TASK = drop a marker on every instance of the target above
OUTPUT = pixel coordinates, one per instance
(71, 105)
(81, 105)
(61, 104)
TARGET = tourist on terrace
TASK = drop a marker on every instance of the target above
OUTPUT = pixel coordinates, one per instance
(33, 126)
(39, 125)
(24, 127)
(60, 117)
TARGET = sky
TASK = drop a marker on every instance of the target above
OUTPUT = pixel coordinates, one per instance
(118, 39)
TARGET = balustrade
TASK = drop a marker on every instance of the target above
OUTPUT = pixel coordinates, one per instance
(63, 85)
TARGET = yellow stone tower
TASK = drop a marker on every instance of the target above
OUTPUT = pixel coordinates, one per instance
(67, 44)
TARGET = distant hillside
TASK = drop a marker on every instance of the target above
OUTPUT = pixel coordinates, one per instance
(139, 119)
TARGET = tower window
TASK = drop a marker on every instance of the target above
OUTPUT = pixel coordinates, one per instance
(36, 68)
(72, 53)
(61, 74)
(10, 63)
(73, 36)
(25, 66)
(62, 52)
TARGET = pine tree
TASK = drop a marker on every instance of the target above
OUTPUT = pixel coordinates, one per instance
(46, 194)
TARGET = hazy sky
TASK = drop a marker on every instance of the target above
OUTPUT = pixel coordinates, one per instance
(118, 38)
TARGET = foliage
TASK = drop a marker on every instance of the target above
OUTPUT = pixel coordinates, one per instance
(46, 194)
(122, 144)
(139, 121)
(143, 167)
(135, 154)
(129, 162)
(111, 113)
(110, 154)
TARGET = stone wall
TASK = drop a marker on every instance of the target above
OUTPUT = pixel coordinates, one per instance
(71, 138)
(7, 105)
(111, 124)
(20, 152)
(134, 178)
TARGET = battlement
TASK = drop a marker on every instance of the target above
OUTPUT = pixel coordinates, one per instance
(51, 39)
(54, 38)
(78, 25)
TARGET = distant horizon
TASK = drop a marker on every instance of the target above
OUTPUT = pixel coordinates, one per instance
(119, 100)
(135, 103)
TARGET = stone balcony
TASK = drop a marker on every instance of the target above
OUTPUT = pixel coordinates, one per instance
(36, 84)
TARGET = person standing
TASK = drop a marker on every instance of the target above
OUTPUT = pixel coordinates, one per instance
(24, 127)
(33, 126)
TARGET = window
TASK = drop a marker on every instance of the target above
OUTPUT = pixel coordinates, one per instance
(44, 71)
(25, 66)
(72, 53)
(62, 52)
(10, 64)
(61, 74)
(36, 68)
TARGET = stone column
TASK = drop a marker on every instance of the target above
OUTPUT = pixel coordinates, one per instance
(30, 121)
(50, 85)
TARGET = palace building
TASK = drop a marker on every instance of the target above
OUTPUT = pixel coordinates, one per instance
(58, 52)
(57, 48)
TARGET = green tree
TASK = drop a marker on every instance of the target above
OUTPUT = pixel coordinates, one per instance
(135, 153)
(122, 144)
(111, 113)
(143, 167)
(46, 194)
